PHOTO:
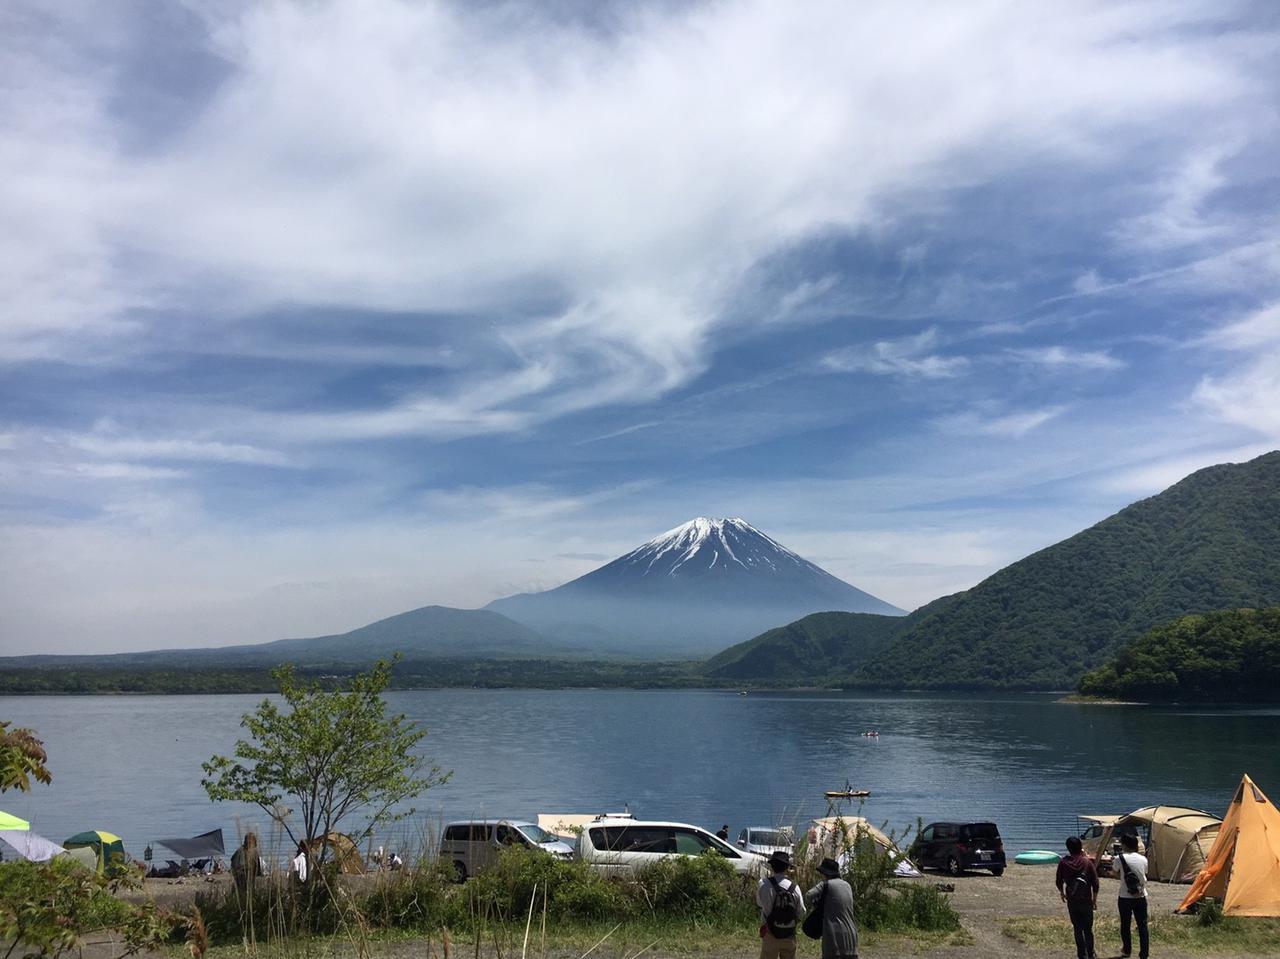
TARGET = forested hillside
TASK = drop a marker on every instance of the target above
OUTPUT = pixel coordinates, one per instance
(1229, 656)
(811, 650)
(1208, 543)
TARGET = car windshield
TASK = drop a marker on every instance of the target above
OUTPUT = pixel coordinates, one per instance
(981, 830)
(770, 837)
(536, 834)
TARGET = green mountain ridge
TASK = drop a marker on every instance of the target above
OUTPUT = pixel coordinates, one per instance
(1210, 542)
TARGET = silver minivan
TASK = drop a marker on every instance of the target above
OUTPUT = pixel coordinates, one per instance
(473, 844)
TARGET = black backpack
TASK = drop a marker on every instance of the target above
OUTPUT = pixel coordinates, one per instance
(1079, 888)
(1130, 877)
(781, 920)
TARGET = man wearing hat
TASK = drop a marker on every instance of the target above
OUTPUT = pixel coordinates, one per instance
(781, 909)
(834, 897)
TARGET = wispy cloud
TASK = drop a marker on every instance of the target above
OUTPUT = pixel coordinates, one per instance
(1064, 356)
(1146, 479)
(452, 162)
(1249, 394)
(1014, 425)
(125, 471)
(909, 356)
(181, 450)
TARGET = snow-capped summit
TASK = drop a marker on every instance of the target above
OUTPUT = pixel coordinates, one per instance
(704, 543)
(692, 589)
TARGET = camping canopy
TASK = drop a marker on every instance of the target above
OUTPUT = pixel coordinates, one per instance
(840, 837)
(204, 846)
(342, 850)
(1179, 839)
(30, 846)
(107, 847)
(1243, 869)
(13, 823)
(566, 824)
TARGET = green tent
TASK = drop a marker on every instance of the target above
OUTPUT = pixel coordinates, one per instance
(13, 823)
(107, 847)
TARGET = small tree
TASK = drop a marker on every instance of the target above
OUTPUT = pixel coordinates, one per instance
(332, 752)
(22, 759)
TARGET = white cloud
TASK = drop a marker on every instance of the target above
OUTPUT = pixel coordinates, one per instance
(1089, 282)
(803, 294)
(1013, 425)
(1180, 218)
(1258, 328)
(1065, 356)
(126, 471)
(1248, 395)
(457, 157)
(135, 448)
(906, 356)
(1152, 477)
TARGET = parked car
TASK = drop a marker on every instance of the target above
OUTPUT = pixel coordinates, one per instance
(1093, 838)
(618, 846)
(763, 840)
(472, 845)
(957, 846)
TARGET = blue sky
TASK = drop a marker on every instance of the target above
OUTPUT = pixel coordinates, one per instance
(316, 312)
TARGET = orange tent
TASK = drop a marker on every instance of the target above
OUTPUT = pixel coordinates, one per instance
(1243, 868)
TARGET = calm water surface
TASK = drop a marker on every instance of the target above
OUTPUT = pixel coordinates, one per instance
(131, 764)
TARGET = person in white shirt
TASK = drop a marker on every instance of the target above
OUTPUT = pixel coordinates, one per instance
(1131, 867)
(781, 908)
(299, 864)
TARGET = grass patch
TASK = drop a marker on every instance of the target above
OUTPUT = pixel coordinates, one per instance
(1229, 935)
(565, 941)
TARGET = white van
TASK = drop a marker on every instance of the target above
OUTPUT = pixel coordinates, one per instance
(472, 845)
(618, 846)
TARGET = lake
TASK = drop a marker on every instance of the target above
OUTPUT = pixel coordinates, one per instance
(131, 764)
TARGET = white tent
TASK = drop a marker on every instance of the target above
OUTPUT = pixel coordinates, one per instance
(841, 837)
(30, 846)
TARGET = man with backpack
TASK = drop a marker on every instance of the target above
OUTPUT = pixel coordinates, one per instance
(1132, 867)
(781, 909)
(1077, 883)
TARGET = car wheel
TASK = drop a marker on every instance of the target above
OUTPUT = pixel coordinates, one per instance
(461, 870)
(953, 866)
(998, 872)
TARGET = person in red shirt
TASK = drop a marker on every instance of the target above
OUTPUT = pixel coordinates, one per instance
(1077, 883)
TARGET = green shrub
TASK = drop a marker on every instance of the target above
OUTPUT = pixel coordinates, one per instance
(915, 906)
(1210, 913)
(704, 887)
(47, 907)
(573, 891)
(424, 899)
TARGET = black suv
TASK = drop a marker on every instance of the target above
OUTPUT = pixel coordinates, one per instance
(957, 846)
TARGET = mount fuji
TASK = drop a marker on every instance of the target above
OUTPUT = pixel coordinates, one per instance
(690, 591)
